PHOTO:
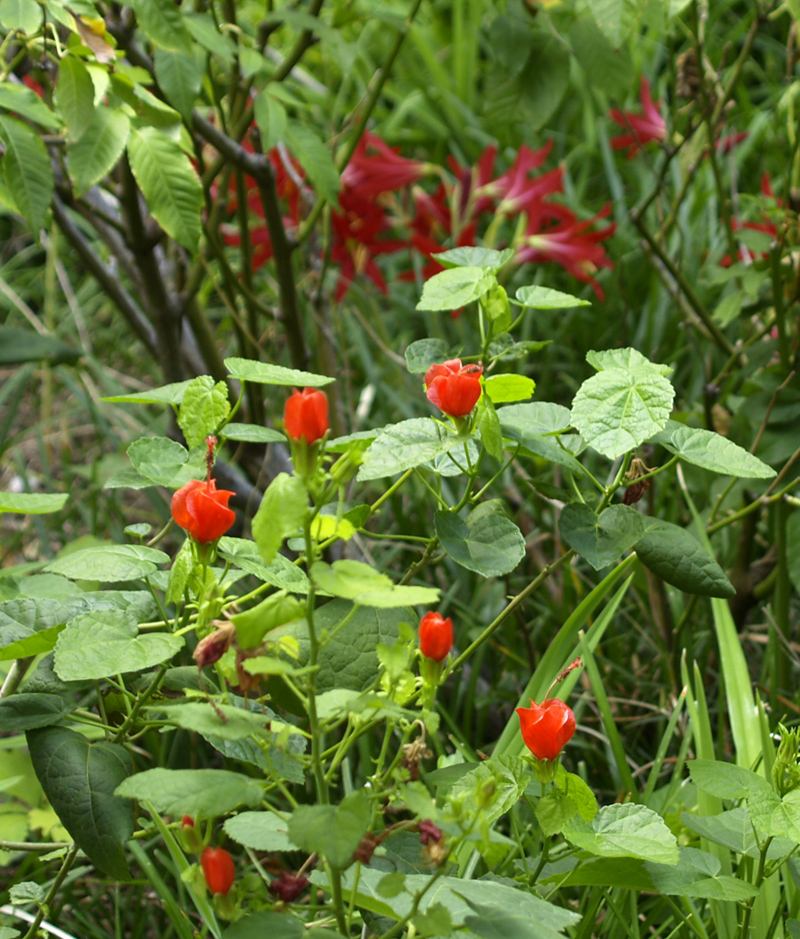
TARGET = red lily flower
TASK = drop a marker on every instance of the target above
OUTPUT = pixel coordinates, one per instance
(356, 230)
(767, 226)
(642, 128)
(375, 167)
(571, 243)
(517, 189)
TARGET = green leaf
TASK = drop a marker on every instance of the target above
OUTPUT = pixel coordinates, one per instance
(180, 572)
(529, 97)
(166, 394)
(266, 374)
(220, 720)
(545, 298)
(28, 104)
(600, 539)
(97, 645)
(488, 543)
(488, 426)
(537, 427)
(205, 31)
(179, 76)
(619, 408)
(497, 783)
(203, 410)
(615, 18)
(679, 559)
(27, 171)
(157, 458)
(698, 875)
(280, 514)
(109, 564)
(455, 288)
(712, 452)
(335, 832)
(486, 258)
(625, 830)
(29, 711)
(734, 831)
(74, 95)
(25, 15)
(251, 433)
(270, 117)
(607, 68)
(280, 573)
(628, 358)
(775, 816)
(274, 925)
(579, 792)
(168, 182)
(162, 22)
(276, 610)
(506, 388)
(725, 780)
(19, 345)
(261, 831)
(347, 660)
(79, 779)
(356, 581)
(423, 353)
(99, 149)
(32, 503)
(401, 446)
(493, 923)
(315, 158)
(207, 793)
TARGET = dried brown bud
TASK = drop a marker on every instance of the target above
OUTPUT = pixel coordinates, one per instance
(215, 645)
(428, 832)
(635, 492)
(366, 848)
(288, 887)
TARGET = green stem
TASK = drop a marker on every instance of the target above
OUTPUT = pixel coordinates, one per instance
(504, 614)
(60, 877)
(748, 910)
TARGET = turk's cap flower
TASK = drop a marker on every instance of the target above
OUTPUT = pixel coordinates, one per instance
(202, 510)
(218, 869)
(453, 387)
(435, 636)
(547, 727)
(305, 415)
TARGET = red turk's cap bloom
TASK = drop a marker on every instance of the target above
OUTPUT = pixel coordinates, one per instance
(218, 869)
(187, 821)
(546, 727)
(305, 415)
(202, 509)
(435, 636)
(454, 388)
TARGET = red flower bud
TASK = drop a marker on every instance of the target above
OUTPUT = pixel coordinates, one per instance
(218, 869)
(202, 510)
(435, 636)
(453, 389)
(305, 416)
(187, 821)
(546, 727)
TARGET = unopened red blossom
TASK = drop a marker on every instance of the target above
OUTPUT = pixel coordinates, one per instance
(305, 415)
(218, 869)
(435, 636)
(546, 728)
(454, 388)
(202, 509)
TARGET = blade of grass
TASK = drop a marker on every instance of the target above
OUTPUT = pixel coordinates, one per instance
(663, 746)
(177, 916)
(562, 650)
(617, 748)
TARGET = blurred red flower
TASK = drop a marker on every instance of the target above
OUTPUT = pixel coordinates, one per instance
(642, 128)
